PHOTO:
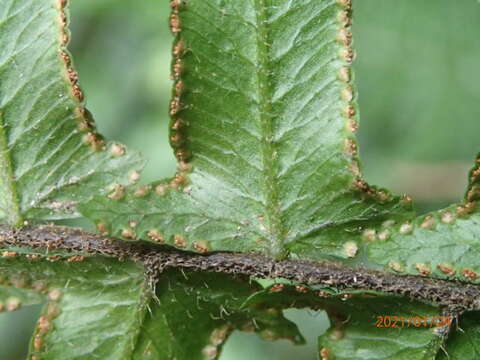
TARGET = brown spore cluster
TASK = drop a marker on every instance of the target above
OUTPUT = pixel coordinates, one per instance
(178, 125)
(349, 111)
(83, 117)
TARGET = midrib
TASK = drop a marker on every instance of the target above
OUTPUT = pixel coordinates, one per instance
(272, 206)
(8, 190)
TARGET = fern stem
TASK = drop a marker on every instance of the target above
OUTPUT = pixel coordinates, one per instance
(453, 296)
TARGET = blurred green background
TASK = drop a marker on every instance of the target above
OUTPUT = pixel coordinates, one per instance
(419, 84)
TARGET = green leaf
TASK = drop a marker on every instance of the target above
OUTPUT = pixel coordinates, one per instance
(51, 159)
(354, 315)
(354, 333)
(439, 244)
(442, 244)
(263, 121)
(100, 307)
(197, 312)
(96, 314)
(95, 306)
(272, 167)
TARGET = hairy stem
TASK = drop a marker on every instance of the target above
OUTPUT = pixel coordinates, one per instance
(454, 296)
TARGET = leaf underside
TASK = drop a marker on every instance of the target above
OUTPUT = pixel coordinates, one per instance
(103, 308)
(50, 157)
(197, 312)
(267, 156)
(263, 121)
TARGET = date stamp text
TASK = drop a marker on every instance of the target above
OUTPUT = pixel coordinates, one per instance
(393, 321)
